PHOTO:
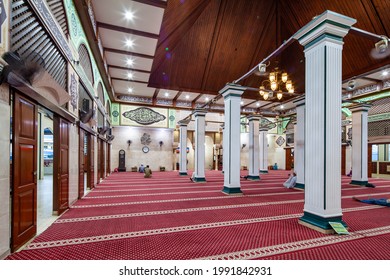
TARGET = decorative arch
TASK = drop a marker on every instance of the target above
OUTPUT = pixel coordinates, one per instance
(85, 62)
(100, 93)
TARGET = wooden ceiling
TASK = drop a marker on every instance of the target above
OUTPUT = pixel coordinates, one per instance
(204, 44)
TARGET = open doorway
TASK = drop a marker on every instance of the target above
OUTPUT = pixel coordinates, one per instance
(45, 214)
(380, 165)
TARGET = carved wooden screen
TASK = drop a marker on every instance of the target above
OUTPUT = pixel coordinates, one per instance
(85, 62)
(29, 37)
(58, 10)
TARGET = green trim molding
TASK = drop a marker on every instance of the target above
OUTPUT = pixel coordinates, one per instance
(183, 173)
(228, 190)
(322, 37)
(300, 186)
(253, 177)
(263, 171)
(321, 222)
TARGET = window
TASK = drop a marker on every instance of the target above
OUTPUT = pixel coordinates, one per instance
(375, 153)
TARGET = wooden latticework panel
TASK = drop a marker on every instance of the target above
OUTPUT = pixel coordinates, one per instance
(30, 39)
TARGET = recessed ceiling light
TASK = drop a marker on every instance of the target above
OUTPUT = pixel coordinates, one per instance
(242, 102)
(187, 96)
(282, 106)
(385, 73)
(129, 43)
(166, 94)
(207, 99)
(129, 62)
(130, 90)
(257, 104)
(130, 75)
(129, 15)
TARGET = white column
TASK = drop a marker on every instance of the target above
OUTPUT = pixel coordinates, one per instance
(263, 150)
(200, 128)
(253, 147)
(323, 41)
(299, 143)
(231, 138)
(183, 147)
(359, 143)
(223, 147)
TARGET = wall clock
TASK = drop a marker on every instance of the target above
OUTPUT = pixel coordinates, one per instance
(145, 149)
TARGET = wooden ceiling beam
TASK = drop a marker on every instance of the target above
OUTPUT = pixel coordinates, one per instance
(250, 103)
(371, 79)
(126, 30)
(176, 97)
(154, 98)
(194, 100)
(128, 68)
(155, 3)
(128, 80)
(128, 53)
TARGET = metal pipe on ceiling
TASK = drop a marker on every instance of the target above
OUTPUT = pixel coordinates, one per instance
(279, 49)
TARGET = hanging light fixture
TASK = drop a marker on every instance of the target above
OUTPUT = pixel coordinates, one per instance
(276, 80)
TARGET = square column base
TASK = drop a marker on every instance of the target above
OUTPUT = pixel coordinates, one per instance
(232, 191)
(264, 171)
(360, 183)
(199, 179)
(300, 186)
(319, 223)
(253, 177)
(183, 174)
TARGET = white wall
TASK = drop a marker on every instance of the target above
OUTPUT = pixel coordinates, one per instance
(209, 153)
(276, 153)
(156, 157)
(5, 231)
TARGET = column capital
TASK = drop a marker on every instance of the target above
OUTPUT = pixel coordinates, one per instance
(253, 117)
(328, 24)
(183, 122)
(263, 128)
(232, 90)
(359, 107)
(200, 112)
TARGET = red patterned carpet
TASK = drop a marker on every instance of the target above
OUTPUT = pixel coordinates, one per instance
(169, 217)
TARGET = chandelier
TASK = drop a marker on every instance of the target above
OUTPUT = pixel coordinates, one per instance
(277, 81)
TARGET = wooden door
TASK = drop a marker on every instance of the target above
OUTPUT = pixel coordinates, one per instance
(108, 159)
(369, 161)
(99, 165)
(343, 159)
(102, 161)
(61, 165)
(289, 159)
(81, 162)
(91, 161)
(24, 153)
